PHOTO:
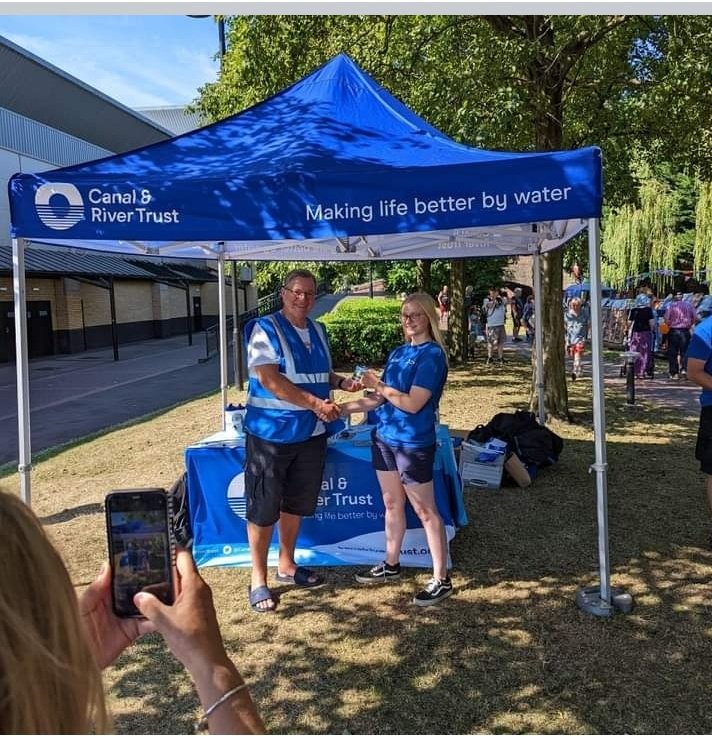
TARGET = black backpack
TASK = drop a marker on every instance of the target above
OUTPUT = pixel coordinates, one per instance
(178, 500)
(532, 442)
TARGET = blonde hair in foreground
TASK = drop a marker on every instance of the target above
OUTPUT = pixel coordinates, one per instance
(49, 680)
(428, 305)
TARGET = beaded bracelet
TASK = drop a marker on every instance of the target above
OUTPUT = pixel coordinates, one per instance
(202, 724)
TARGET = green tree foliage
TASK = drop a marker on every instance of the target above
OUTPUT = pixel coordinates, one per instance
(402, 276)
(627, 83)
(703, 232)
(270, 274)
(657, 233)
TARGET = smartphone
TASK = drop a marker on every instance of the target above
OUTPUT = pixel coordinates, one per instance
(141, 550)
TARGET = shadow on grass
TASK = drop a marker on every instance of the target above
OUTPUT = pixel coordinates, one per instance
(70, 513)
(509, 652)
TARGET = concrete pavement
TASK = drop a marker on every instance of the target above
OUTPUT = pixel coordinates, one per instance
(72, 396)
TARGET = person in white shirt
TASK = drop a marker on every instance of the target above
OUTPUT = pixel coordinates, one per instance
(495, 311)
(287, 422)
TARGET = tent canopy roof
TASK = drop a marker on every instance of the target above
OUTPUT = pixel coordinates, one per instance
(332, 168)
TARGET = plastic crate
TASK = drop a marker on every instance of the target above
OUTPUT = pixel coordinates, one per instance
(476, 473)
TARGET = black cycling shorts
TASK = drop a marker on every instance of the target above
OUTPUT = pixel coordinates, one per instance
(703, 449)
(415, 465)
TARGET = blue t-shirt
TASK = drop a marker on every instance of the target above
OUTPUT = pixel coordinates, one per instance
(700, 348)
(408, 365)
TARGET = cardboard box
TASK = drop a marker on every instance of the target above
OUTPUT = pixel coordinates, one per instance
(477, 473)
(516, 469)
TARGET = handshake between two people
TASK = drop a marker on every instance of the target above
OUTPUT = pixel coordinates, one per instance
(364, 378)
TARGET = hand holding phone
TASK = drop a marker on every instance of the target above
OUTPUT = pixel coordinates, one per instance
(108, 634)
(140, 547)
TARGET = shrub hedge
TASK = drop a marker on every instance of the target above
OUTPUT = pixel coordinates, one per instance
(363, 330)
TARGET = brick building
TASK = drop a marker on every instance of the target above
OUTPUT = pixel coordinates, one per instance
(77, 299)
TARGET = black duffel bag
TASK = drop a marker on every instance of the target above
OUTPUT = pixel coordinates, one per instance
(532, 442)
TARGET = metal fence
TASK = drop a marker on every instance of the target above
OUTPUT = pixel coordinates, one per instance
(265, 305)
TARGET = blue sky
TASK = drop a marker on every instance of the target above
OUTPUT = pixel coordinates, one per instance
(140, 60)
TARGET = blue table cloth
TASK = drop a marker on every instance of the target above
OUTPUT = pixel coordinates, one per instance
(348, 526)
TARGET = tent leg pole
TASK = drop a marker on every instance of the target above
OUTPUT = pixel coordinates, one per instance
(24, 465)
(222, 304)
(236, 330)
(600, 600)
(538, 338)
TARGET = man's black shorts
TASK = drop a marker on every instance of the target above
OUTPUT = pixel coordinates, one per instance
(282, 477)
(703, 449)
(415, 465)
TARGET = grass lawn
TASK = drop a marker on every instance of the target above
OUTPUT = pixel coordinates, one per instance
(508, 653)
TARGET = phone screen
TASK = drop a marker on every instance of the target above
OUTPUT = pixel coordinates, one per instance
(139, 547)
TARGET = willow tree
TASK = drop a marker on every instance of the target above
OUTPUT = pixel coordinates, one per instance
(703, 230)
(641, 239)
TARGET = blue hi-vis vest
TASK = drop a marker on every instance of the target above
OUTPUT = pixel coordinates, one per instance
(276, 419)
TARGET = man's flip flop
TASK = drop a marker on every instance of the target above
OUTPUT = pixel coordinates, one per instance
(303, 577)
(258, 595)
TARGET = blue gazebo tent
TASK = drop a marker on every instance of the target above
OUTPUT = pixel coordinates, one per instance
(576, 289)
(332, 168)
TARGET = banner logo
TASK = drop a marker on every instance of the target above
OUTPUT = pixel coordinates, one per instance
(236, 498)
(59, 205)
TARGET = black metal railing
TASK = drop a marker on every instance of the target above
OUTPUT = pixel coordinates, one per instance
(265, 305)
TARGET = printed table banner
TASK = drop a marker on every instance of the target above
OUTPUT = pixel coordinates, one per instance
(348, 526)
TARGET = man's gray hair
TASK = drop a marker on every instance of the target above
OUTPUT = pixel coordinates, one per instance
(298, 273)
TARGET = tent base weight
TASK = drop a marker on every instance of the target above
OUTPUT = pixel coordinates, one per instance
(589, 600)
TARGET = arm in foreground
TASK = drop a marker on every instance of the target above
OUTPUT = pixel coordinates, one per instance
(697, 374)
(698, 353)
(191, 632)
(190, 629)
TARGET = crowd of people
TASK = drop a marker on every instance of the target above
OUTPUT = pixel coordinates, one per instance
(651, 325)
(486, 322)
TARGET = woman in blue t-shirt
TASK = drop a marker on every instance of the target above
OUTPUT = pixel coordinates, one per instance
(405, 402)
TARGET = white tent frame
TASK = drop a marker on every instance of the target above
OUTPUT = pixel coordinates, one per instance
(599, 600)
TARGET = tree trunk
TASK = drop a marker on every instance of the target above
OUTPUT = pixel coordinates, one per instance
(457, 326)
(422, 268)
(556, 397)
(547, 81)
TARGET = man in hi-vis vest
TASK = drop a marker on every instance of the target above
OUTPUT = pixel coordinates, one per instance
(288, 405)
